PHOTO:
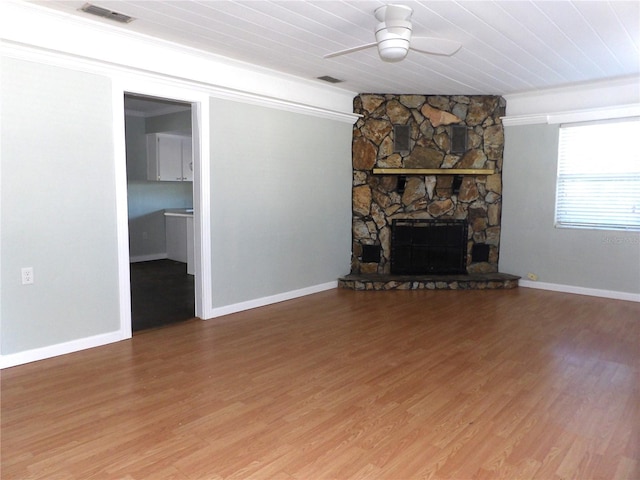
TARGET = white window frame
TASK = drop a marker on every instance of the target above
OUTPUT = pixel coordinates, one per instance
(598, 175)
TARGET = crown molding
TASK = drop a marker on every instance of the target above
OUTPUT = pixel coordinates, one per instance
(32, 32)
(585, 115)
(517, 120)
(601, 100)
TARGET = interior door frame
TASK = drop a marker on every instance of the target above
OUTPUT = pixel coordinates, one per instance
(200, 125)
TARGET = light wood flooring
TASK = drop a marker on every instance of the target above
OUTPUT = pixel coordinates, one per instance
(500, 384)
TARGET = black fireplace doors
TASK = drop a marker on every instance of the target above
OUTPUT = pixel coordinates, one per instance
(428, 246)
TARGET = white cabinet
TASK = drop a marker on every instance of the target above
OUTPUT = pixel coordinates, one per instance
(180, 237)
(169, 157)
(187, 160)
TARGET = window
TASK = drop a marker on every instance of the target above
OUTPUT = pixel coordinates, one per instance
(598, 184)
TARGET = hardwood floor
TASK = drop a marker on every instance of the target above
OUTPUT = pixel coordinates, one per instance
(500, 384)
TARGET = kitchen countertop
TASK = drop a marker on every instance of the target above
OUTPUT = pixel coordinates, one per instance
(178, 212)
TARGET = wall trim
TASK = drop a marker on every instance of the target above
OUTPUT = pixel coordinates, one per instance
(586, 115)
(122, 226)
(261, 302)
(576, 96)
(200, 114)
(592, 292)
(87, 65)
(621, 111)
(200, 127)
(28, 356)
(517, 120)
(53, 37)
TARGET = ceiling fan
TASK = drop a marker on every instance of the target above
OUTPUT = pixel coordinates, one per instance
(393, 37)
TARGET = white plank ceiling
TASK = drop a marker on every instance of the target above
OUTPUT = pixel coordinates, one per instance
(508, 46)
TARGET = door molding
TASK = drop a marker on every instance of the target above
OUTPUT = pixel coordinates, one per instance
(200, 107)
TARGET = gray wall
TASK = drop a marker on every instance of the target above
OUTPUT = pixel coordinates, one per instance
(597, 259)
(280, 204)
(136, 143)
(280, 201)
(58, 206)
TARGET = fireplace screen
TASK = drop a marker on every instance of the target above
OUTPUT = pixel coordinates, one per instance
(428, 246)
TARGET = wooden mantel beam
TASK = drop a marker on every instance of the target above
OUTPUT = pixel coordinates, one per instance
(432, 171)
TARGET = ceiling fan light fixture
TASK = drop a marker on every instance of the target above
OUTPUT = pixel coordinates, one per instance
(393, 50)
(393, 39)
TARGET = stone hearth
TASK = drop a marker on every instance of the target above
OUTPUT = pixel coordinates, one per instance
(477, 281)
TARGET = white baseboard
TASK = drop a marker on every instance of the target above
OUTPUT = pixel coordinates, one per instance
(36, 354)
(50, 351)
(261, 302)
(148, 258)
(592, 292)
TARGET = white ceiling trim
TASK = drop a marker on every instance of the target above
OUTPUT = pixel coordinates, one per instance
(108, 52)
(623, 111)
(93, 66)
(591, 95)
(587, 115)
(518, 120)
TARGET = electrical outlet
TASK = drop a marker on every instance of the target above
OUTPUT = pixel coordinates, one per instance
(532, 276)
(27, 275)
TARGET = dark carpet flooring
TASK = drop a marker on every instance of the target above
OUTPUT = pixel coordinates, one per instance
(161, 293)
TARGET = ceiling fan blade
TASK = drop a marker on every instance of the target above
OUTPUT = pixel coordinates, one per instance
(350, 50)
(435, 46)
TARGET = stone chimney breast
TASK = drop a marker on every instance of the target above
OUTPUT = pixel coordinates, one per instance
(378, 199)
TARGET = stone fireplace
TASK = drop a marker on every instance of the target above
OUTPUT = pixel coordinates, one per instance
(446, 164)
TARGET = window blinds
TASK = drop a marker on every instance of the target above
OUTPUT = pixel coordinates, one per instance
(598, 182)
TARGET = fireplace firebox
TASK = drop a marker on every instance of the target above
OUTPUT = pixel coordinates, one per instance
(421, 246)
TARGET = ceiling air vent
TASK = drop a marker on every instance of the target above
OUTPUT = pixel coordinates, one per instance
(106, 13)
(327, 78)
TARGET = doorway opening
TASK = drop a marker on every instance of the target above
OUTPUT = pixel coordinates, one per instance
(160, 200)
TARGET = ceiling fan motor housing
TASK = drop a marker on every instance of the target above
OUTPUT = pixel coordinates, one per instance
(393, 38)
